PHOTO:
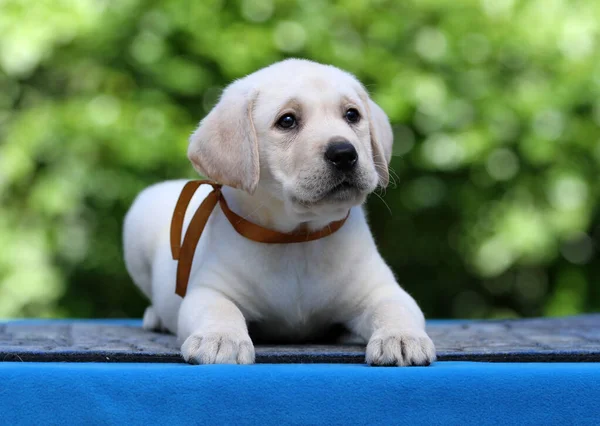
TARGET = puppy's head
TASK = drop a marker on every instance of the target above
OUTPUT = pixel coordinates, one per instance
(306, 133)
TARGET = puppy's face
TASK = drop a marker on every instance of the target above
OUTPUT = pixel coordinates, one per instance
(314, 142)
(306, 133)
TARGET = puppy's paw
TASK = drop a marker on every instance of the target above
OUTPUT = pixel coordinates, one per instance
(400, 347)
(218, 348)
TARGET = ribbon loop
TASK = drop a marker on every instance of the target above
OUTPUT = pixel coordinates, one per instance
(183, 202)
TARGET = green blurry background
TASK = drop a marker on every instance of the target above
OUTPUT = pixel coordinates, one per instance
(495, 106)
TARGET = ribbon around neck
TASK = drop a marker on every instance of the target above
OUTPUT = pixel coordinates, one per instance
(184, 251)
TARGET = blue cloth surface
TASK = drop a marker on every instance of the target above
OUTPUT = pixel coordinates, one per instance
(447, 393)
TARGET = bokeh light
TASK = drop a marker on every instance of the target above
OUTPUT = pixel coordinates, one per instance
(495, 106)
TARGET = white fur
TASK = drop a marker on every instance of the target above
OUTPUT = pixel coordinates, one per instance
(291, 291)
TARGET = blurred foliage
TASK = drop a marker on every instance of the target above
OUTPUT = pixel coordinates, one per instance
(495, 106)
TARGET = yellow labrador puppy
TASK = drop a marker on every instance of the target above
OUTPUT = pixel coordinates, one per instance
(298, 144)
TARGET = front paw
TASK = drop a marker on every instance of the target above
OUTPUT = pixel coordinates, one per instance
(215, 347)
(400, 347)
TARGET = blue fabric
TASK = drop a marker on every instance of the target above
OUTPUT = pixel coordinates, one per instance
(447, 393)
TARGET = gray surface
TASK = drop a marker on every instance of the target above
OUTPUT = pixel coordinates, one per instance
(573, 339)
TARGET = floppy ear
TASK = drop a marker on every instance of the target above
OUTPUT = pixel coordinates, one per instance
(382, 138)
(224, 147)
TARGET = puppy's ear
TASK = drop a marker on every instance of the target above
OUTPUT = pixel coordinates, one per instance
(382, 138)
(224, 147)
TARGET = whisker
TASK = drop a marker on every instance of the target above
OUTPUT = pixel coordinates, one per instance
(391, 169)
(393, 175)
(384, 202)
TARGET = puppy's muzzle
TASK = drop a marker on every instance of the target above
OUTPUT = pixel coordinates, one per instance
(342, 155)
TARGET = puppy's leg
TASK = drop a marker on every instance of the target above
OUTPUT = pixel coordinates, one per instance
(394, 327)
(151, 321)
(213, 330)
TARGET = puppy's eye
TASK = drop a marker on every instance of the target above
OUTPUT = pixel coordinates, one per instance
(352, 115)
(287, 121)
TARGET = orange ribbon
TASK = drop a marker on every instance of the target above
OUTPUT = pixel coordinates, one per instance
(184, 252)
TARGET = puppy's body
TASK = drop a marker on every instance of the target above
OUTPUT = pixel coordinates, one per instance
(290, 292)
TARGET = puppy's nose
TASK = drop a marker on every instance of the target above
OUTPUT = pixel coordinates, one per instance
(342, 155)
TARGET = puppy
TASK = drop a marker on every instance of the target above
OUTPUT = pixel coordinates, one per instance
(298, 145)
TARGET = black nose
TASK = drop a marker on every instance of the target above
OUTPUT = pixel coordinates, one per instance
(342, 155)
